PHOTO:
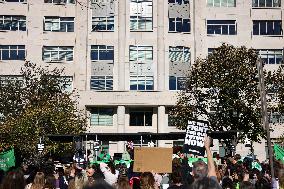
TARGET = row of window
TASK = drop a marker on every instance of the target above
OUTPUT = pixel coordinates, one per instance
(98, 53)
(139, 81)
(137, 117)
(229, 27)
(210, 3)
(255, 3)
(136, 53)
(142, 117)
(268, 56)
(214, 27)
(65, 82)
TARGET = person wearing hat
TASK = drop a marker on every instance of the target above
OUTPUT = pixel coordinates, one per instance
(204, 174)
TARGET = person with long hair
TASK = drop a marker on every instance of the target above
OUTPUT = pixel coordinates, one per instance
(176, 178)
(38, 182)
(122, 183)
(147, 181)
(13, 180)
(50, 182)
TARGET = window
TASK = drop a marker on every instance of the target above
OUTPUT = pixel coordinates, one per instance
(176, 83)
(221, 27)
(103, 23)
(271, 56)
(266, 3)
(60, 1)
(211, 50)
(13, 23)
(267, 27)
(6, 79)
(66, 83)
(102, 83)
(141, 63)
(141, 16)
(59, 24)
(102, 52)
(276, 118)
(179, 25)
(179, 54)
(101, 116)
(141, 117)
(12, 52)
(221, 3)
(170, 117)
(179, 1)
(141, 83)
(140, 53)
(57, 54)
(102, 57)
(10, 1)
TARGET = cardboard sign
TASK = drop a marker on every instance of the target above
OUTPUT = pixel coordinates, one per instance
(158, 160)
(194, 138)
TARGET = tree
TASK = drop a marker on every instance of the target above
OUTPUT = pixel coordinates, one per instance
(35, 104)
(223, 89)
(275, 97)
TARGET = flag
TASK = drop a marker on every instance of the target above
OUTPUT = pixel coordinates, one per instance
(279, 153)
(7, 160)
(255, 165)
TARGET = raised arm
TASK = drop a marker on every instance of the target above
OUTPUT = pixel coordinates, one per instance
(211, 166)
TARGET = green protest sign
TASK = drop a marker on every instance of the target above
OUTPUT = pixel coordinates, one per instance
(279, 153)
(256, 165)
(7, 160)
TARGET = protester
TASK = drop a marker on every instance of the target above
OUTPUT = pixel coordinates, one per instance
(38, 183)
(122, 183)
(13, 180)
(61, 180)
(50, 182)
(205, 174)
(228, 173)
(147, 181)
(109, 172)
(176, 178)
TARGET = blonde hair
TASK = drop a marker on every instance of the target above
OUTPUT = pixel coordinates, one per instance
(39, 181)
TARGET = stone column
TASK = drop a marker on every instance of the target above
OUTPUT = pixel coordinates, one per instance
(121, 43)
(161, 123)
(120, 126)
(160, 46)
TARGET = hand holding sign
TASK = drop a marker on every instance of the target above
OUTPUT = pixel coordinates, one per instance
(207, 142)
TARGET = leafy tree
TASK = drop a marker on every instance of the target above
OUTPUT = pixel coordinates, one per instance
(275, 91)
(35, 104)
(223, 89)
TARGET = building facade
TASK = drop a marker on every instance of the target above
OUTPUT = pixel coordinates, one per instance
(128, 58)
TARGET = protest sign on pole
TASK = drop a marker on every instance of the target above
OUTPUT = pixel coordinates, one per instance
(194, 138)
(7, 160)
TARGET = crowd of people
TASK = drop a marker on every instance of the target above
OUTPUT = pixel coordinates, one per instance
(230, 174)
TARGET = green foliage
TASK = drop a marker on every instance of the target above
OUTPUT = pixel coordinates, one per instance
(35, 105)
(275, 87)
(223, 89)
